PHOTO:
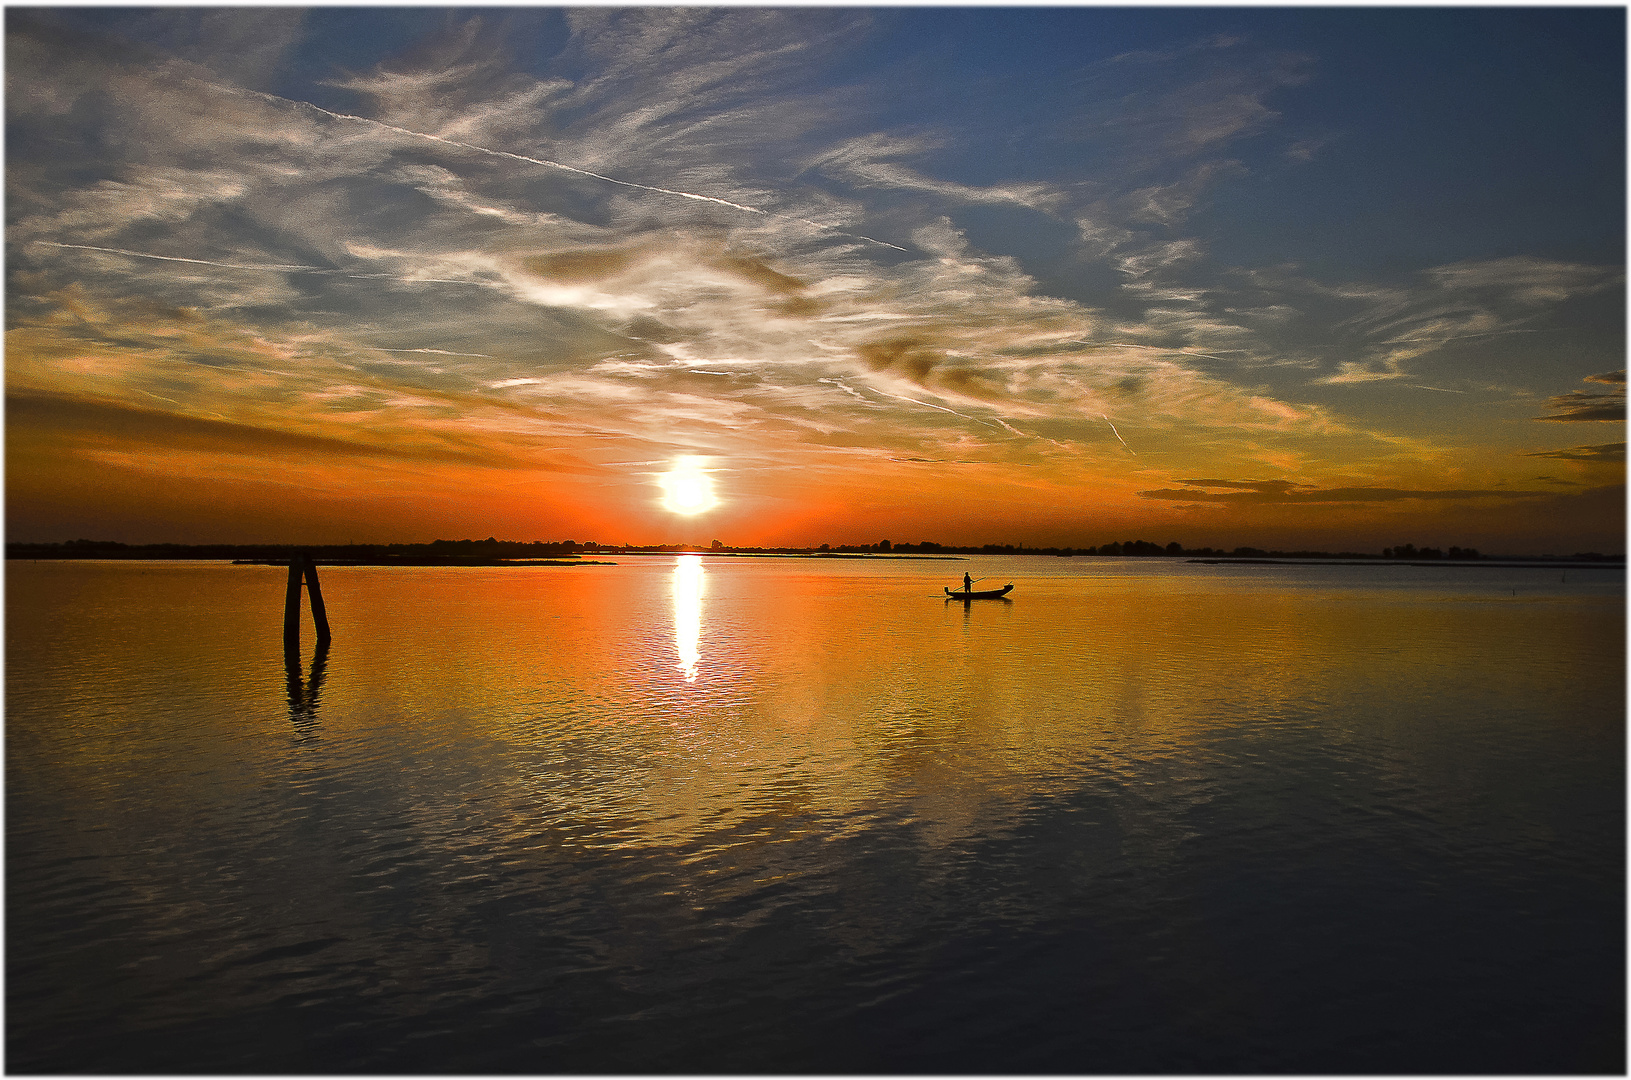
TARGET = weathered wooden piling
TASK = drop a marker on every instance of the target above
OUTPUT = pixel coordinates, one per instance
(301, 567)
(291, 610)
(319, 613)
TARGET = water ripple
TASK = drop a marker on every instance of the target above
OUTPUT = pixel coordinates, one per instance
(589, 821)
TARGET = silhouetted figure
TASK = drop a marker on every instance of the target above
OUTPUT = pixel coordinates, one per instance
(968, 583)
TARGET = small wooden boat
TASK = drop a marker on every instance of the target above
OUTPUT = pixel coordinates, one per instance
(983, 594)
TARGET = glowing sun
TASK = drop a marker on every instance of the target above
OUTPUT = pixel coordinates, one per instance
(687, 489)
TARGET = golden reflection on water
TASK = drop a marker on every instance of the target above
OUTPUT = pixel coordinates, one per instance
(486, 751)
(832, 695)
(688, 580)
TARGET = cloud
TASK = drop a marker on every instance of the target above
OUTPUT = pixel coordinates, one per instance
(1168, 204)
(1189, 100)
(1577, 407)
(975, 331)
(1605, 452)
(1280, 492)
(461, 89)
(1305, 150)
(655, 237)
(1265, 486)
(1396, 327)
(870, 161)
(78, 422)
(1525, 280)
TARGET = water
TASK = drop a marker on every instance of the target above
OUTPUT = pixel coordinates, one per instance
(726, 815)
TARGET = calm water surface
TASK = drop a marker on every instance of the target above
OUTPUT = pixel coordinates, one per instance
(729, 815)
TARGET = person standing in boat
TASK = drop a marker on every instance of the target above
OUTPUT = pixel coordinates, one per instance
(968, 583)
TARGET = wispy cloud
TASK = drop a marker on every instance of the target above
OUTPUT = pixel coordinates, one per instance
(873, 161)
(1274, 493)
(1604, 452)
(1578, 406)
(1397, 327)
(682, 230)
(1191, 99)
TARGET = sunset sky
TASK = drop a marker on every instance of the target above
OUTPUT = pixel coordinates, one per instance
(1270, 276)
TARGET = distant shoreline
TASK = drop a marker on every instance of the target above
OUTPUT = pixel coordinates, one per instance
(506, 553)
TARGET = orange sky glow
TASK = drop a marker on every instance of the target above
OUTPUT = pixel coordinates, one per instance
(452, 288)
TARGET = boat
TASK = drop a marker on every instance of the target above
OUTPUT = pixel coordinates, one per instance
(981, 594)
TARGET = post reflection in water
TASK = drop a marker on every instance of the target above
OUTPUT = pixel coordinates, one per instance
(688, 574)
(303, 691)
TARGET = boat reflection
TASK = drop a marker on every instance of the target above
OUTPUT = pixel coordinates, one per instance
(688, 575)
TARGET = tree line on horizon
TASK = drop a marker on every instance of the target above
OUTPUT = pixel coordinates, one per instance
(493, 548)
(1140, 548)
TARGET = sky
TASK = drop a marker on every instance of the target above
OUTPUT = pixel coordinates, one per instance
(1327, 278)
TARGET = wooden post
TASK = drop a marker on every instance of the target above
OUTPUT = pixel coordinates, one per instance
(319, 613)
(291, 611)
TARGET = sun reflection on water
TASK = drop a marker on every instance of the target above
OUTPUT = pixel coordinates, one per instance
(688, 575)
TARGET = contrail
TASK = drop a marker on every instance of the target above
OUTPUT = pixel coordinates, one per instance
(925, 404)
(197, 262)
(548, 164)
(850, 390)
(868, 239)
(1000, 422)
(942, 408)
(1117, 434)
(1440, 389)
(279, 268)
(440, 352)
(1006, 426)
(543, 162)
(858, 236)
(1455, 337)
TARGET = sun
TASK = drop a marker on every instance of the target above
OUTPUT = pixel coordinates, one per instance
(687, 490)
